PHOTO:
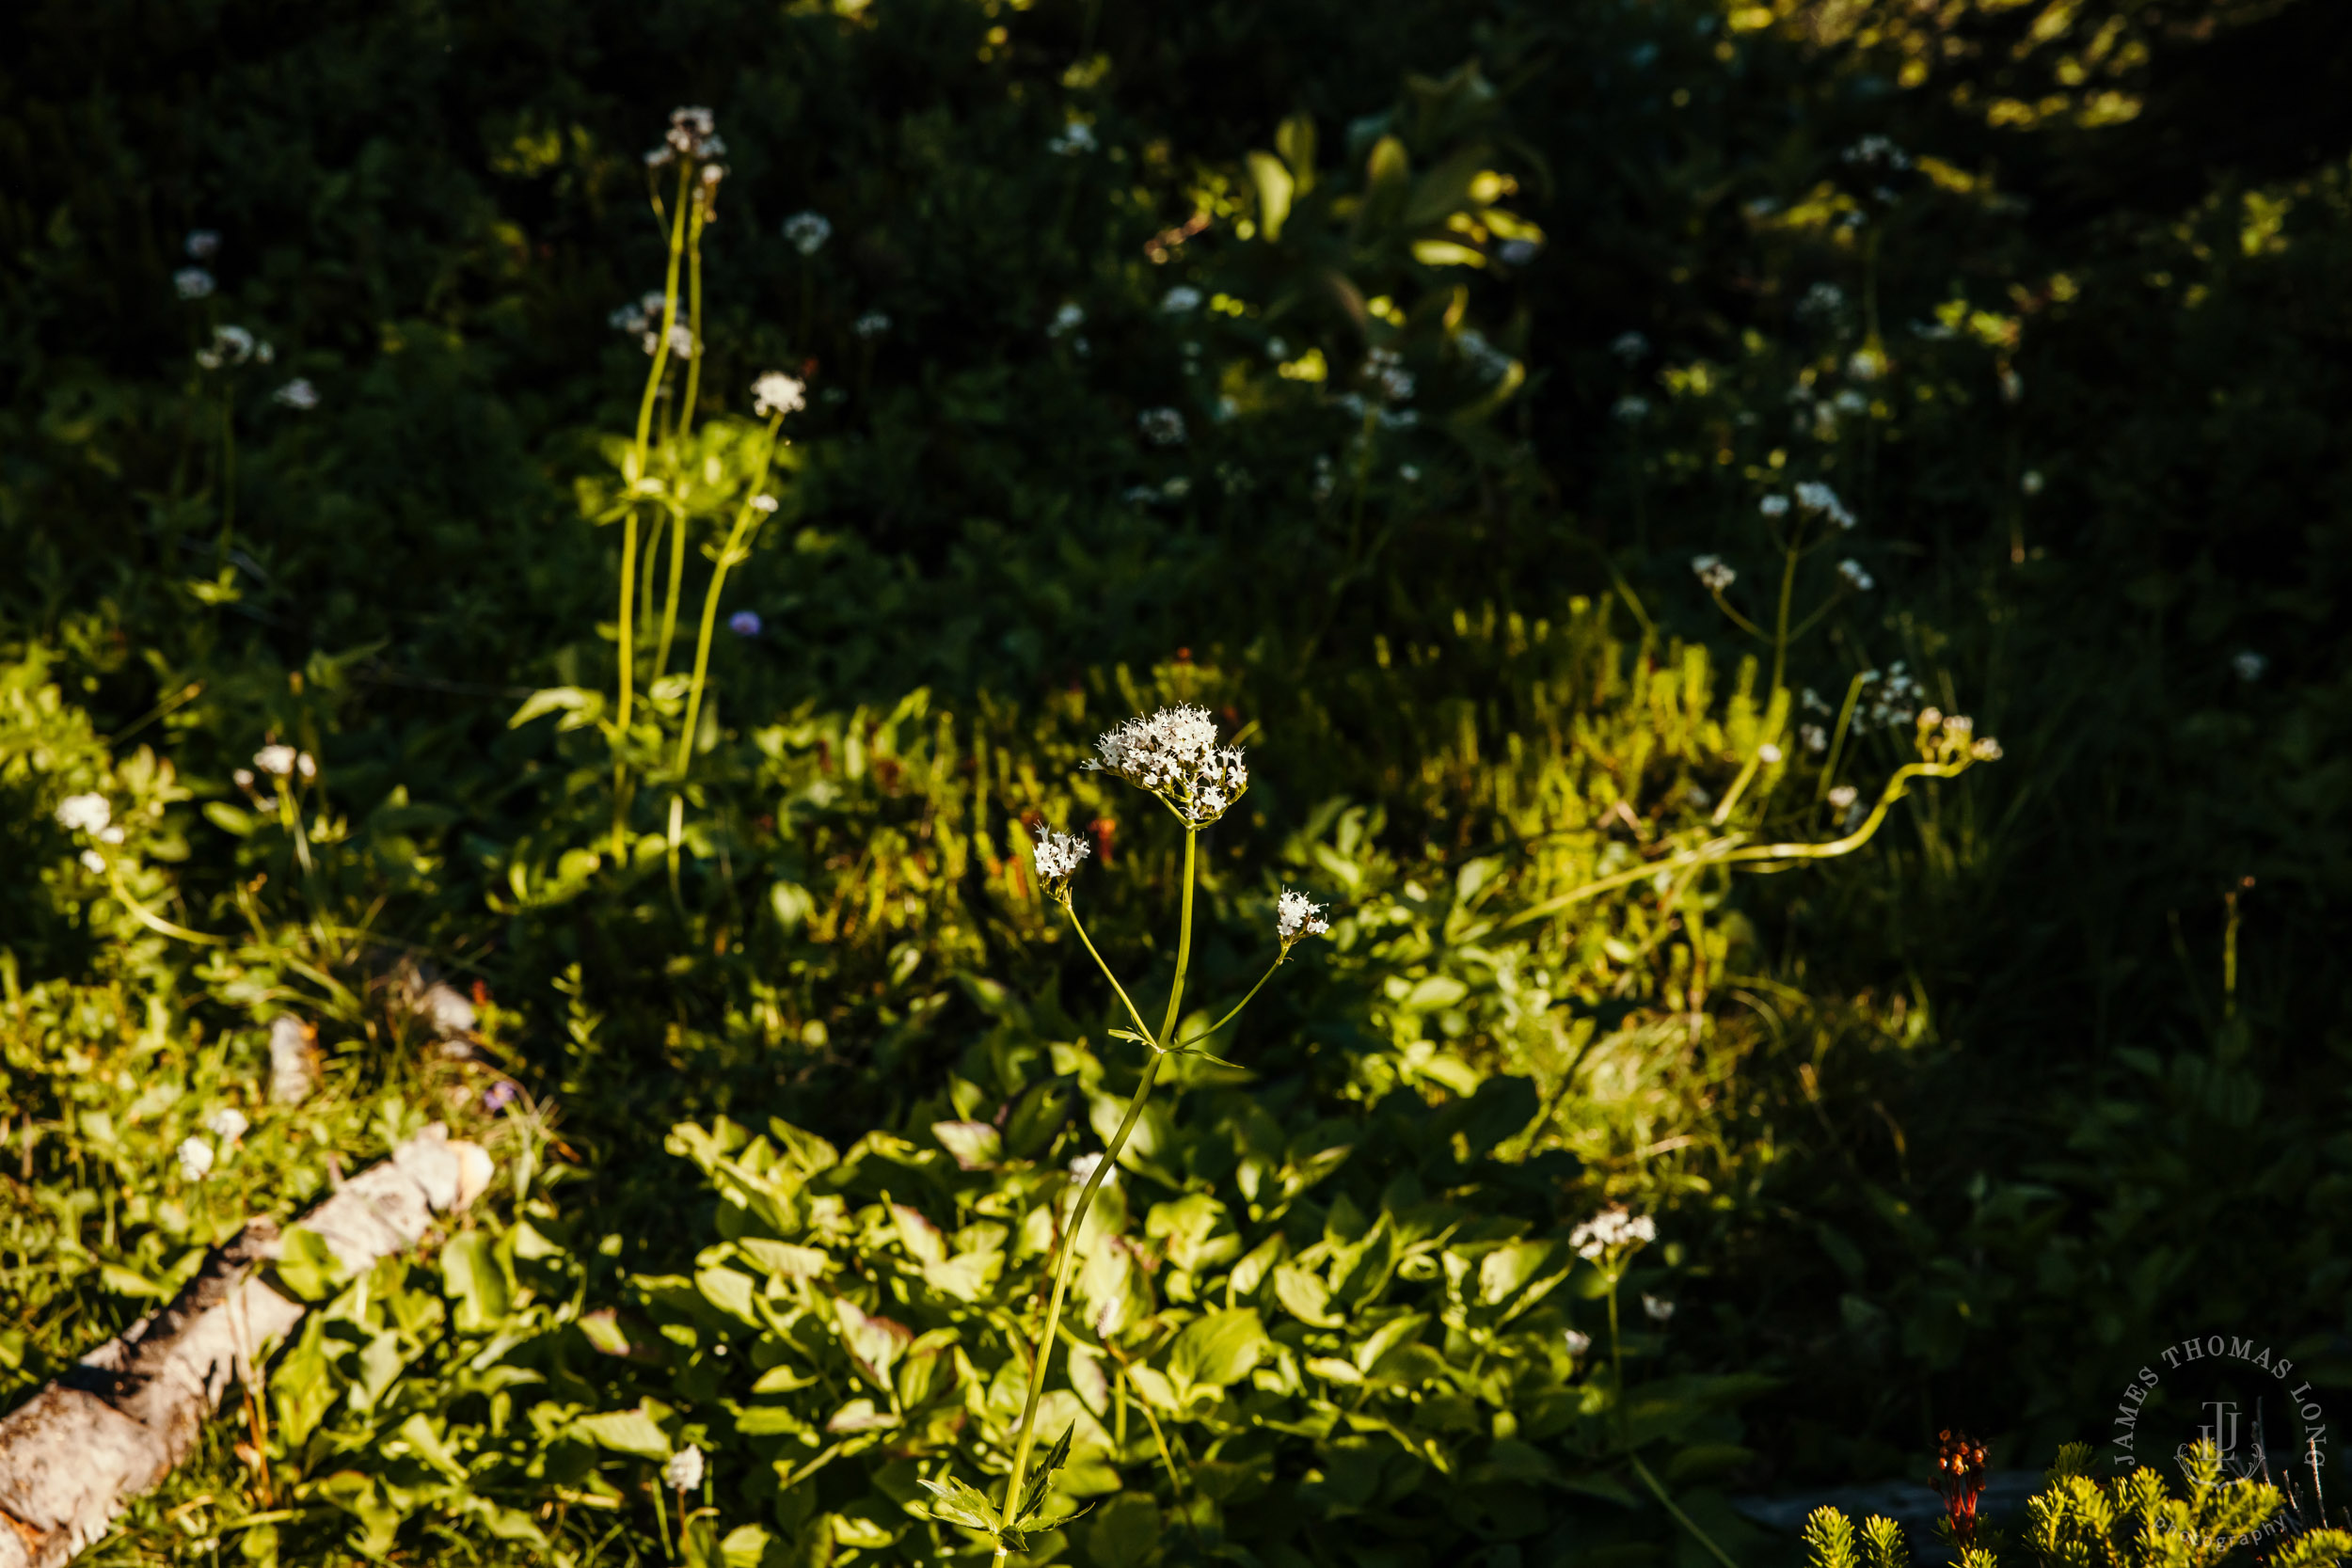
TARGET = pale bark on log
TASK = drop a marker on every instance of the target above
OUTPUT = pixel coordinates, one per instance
(130, 1410)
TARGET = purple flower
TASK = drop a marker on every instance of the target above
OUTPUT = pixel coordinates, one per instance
(503, 1094)
(744, 623)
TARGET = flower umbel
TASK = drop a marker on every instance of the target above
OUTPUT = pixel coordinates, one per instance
(684, 1471)
(778, 394)
(86, 814)
(1175, 755)
(1057, 857)
(1611, 1234)
(1298, 916)
(196, 1159)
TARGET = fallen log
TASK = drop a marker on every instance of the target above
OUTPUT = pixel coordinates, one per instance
(125, 1415)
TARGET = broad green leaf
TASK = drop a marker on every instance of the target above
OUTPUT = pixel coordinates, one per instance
(729, 1291)
(860, 1416)
(301, 1387)
(307, 1266)
(744, 1546)
(918, 1235)
(976, 1144)
(475, 1280)
(782, 1260)
(426, 1444)
(1304, 1296)
(625, 1431)
(965, 1276)
(1218, 1349)
(1506, 1269)
(873, 1342)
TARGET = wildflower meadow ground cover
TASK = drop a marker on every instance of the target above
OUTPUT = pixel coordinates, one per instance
(1396, 785)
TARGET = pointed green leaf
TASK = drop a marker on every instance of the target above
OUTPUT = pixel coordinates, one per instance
(1042, 1482)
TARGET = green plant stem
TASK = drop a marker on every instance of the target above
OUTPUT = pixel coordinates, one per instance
(670, 599)
(1229, 1018)
(1837, 742)
(1732, 849)
(693, 316)
(1038, 1363)
(1780, 624)
(1076, 925)
(746, 520)
(636, 471)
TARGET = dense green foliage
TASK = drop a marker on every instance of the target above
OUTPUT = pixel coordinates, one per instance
(1368, 374)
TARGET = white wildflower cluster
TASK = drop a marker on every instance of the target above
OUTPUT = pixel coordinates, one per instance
(1877, 152)
(807, 232)
(1822, 299)
(1631, 408)
(1057, 857)
(2249, 665)
(1383, 368)
(872, 325)
(1892, 700)
(693, 135)
(1713, 573)
(1175, 755)
(683, 1471)
(196, 1159)
(1611, 1234)
(1813, 737)
(1578, 1341)
(192, 283)
(1844, 797)
(1082, 1170)
(227, 1124)
(1855, 577)
(1068, 318)
(1076, 138)
(1517, 253)
(1298, 916)
(1486, 361)
(84, 814)
(281, 761)
(1848, 401)
(202, 245)
(641, 319)
(777, 394)
(1180, 298)
(233, 345)
(1632, 347)
(298, 394)
(1815, 496)
(1773, 506)
(1866, 364)
(2030, 482)
(1658, 1308)
(1162, 427)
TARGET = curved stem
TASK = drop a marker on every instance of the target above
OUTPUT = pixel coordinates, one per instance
(635, 474)
(1229, 1018)
(1141, 1028)
(693, 318)
(1026, 1437)
(746, 520)
(1737, 619)
(1037, 1363)
(153, 920)
(1733, 850)
(670, 599)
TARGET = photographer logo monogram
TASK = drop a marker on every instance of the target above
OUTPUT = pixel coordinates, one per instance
(2234, 1377)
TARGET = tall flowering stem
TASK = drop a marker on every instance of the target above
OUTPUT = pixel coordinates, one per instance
(1175, 757)
(757, 504)
(1026, 1436)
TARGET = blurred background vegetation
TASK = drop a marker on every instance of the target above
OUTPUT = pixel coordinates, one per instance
(1372, 372)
